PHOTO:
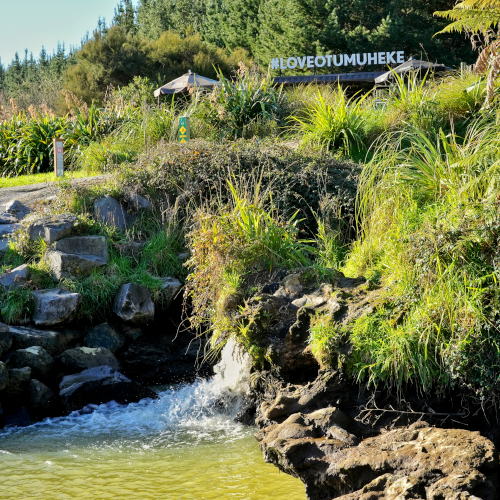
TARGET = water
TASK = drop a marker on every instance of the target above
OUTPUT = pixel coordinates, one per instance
(184, 445)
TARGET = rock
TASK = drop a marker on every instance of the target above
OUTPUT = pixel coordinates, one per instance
(53, 342)
(81, 358)
(41, 397)
(138, 202)
(170, 288)
(98, 385)
(104, 336)
(110, 212)
(52, 228)
(4, 376)
(7, 229)
(15, 278)
(36, 357)
(5, 339)
(67, 265)
(54, 306)
(18, 209)
(18, 382)
(95, 246)
(6, 218)
(4, 245)
(131, 332)
(133, 304)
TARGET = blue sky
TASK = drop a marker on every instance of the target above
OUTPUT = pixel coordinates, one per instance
(33, 23)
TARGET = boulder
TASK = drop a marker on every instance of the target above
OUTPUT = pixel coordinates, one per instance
(170, 288)
(138, 202)
(18, 382)
(41, 397)
(16, 208)
(98, 385)
(4, 245)
(108, 211)
(133, 304)
(52, 228)
(65, 265)
(5, 339)
(81, 358)
(4, 376)
(7, 229)
(104, 336)
(96, 246)
(54, 306)
(15, 278)
(6, 218)
(36, 357)
(53, 342)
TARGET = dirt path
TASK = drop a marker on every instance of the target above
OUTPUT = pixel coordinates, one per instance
(33, 193)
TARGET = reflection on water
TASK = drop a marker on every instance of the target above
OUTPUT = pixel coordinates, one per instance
(180, 446)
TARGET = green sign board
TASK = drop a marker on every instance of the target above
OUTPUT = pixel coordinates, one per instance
(183, 131)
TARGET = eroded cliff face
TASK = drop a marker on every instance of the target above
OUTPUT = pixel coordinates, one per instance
(308, 416)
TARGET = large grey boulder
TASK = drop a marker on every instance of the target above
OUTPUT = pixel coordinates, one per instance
(96, 246)
(8, 229)
(104, 336)
(81, 358)
(52, 227)
(109, 211)
(15, 278)
(4, 376)
(133, 304)
(5, 339)
(16, 208)
(18, 382)
(36, 357)
(54, 306)
(52, 341)
(66, 264)
(41, 397)
(170, 288)
(98, 385)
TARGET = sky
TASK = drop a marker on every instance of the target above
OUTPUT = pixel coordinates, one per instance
(33, 23)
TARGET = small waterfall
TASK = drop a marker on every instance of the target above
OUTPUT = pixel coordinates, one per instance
(183, 414)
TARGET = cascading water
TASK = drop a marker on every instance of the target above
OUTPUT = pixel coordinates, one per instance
(185, 444)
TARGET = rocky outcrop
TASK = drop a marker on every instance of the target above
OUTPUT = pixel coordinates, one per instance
(104, 335)
(52, 227)
(133, 304)
(5, 339)
(109, 211)
(36, 357)
(98, 385)
(54, 306)
(170, 288)
(16, 277)
(53, 342)
(41, 397)
(80, 358)
(17, 209)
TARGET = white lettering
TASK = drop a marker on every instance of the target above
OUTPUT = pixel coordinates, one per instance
(400, 56)
(320, 61)
(282, 64)
(310, 61)
(349, 59)
(291, 62)
(381, 57)
(275, 62)
(302, 62)
(390, 57)
(372, 58)
(340, 62)
(328, 60)
(359, 60)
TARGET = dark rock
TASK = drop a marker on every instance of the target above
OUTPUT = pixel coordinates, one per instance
(18, 382)
(104, 336)
(4, 376)
(138, 202)
(8, 229)
(5, 339)
(68, 264)
(99, 385)
(133, 304)
(15, 278)
(41, 398)
(4, 245)
(36, 357)
(6, 218)
(18, 209)
(109, 211)
(170, 288)
(53, 342)
(81, 358)
(52, 228)
(131, 332)
(55, 306)
(96, 246)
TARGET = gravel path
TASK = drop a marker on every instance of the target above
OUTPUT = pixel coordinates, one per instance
(33, 193)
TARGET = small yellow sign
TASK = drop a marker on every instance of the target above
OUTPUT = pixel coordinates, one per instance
(183, 132)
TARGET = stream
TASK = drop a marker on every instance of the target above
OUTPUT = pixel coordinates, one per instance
(183, 445)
